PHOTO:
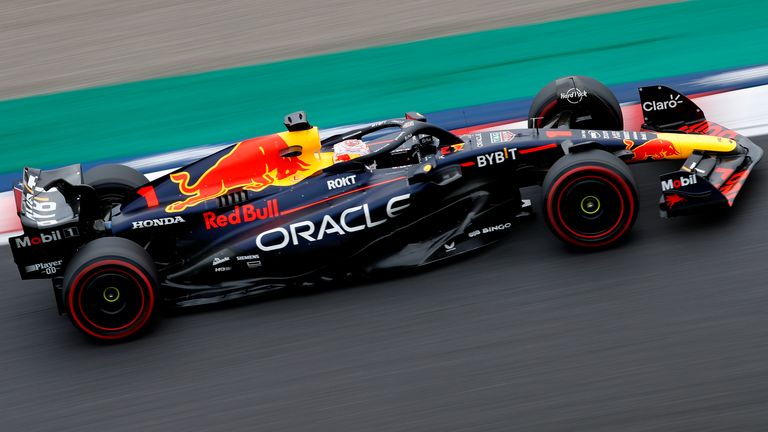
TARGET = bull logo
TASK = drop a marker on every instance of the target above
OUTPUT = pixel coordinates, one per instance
(251, 165)
(654, 149)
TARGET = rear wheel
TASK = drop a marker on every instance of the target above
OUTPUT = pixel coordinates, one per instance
(590, 199)
(110, 289)
(114, 182)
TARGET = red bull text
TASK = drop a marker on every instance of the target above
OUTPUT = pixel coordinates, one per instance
(240, 214)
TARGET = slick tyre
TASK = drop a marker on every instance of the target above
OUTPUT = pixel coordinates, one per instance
(114, 183)
(590, 199)
(110, 289)
(598, 109)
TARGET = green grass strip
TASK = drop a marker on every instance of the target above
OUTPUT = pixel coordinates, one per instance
(227, 105)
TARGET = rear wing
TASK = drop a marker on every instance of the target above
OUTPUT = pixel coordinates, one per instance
(707, 178)
(39, 208)
(50, 217)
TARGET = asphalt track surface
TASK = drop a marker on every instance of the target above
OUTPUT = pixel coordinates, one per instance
(668, 332)
(54, 45)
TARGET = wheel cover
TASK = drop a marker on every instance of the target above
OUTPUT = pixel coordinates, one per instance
(590, 207)
(111, 294)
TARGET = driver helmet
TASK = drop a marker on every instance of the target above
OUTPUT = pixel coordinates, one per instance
(349, 149)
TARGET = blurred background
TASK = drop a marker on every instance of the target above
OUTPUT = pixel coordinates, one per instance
(666, 333)
(51, 46)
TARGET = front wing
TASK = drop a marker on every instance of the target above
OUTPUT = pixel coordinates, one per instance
(708, 179)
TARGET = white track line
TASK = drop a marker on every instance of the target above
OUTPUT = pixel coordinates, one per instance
(744, 111)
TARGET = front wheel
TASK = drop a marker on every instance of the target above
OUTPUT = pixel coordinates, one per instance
(590, 103)
(590, 199)
(110, 289)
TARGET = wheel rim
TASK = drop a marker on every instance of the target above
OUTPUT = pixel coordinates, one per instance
(107, 200)
(590, 207)
(592, 227)
(111, 299)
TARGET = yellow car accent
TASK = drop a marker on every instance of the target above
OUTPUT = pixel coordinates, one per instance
(309, 141)
(688, 143)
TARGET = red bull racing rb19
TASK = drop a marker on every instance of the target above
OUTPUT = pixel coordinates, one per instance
(288, 210)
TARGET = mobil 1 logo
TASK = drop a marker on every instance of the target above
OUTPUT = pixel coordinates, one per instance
(678, 182)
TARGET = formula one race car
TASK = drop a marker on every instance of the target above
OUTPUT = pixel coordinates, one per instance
(288, 208)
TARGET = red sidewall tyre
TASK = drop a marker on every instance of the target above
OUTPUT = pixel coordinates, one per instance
(110, 289)
(590, 199)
